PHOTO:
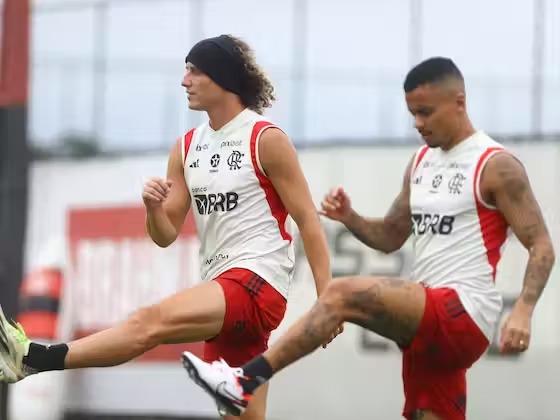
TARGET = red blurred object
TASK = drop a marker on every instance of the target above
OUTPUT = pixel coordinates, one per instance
(14, 52)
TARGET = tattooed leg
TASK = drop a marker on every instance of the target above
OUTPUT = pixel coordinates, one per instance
(389, 307)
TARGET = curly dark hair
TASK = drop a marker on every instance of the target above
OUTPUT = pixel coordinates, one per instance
(258, 91)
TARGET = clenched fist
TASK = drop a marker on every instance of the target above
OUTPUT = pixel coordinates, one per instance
(336, 205)
(516, 331)
(156, 191)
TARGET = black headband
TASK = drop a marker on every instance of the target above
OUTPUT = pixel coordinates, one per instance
(218, 58)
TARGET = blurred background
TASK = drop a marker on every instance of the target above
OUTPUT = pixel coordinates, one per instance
(91, 103)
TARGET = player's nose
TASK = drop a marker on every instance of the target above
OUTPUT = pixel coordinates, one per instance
(419, 123)
(187, 81)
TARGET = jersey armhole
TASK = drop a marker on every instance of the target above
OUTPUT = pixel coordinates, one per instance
(484, 158)
(185, 145)
(259, 128)
(417, 160)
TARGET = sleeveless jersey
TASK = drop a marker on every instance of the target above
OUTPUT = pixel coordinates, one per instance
(457, 237)
(240, 219)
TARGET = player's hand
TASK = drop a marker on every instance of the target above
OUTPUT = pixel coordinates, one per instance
(336, 205)
(516, 331)
(156, 191)
(337, 332)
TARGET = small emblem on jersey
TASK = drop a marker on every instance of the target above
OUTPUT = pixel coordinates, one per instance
(194, 164)
(436, 182)
(417, 180)
(198, 190)
(234, 160)
(214, 162)
(456, 165)
(218, 257)
(456, 183)
(231, 143)
(209, 203)
(201, 147)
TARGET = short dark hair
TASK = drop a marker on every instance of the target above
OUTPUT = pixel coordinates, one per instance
(432, 70)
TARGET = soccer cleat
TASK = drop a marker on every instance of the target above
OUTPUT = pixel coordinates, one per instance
(220, 381)
(14, 345)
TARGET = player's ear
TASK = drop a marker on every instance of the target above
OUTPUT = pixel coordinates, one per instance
(461, 101)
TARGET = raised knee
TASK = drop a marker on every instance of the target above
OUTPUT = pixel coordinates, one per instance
(341, 288)
(352, 296)
(145, 325)
(338, 293)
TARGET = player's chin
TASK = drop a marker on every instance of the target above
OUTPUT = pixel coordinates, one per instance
(195, 105)
(430, 141)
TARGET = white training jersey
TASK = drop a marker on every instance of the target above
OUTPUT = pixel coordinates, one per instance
(458, 238)
(240, 219)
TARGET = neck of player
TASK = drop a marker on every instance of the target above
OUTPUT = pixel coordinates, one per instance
(463, 133)
(222, 113)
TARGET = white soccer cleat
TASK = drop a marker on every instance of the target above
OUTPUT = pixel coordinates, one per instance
(220, 381)
(14, 345)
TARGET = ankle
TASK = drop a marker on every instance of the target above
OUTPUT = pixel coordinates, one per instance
(256, 372)
(45, 358)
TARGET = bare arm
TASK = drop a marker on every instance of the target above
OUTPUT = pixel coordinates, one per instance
(387, 234)
(504, 183)
(164, 222)
(280, 163)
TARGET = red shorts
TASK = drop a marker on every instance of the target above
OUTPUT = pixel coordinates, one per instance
(448, 342)
(253, 310)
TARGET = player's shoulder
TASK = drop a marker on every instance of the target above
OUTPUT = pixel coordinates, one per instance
(267, 128)
(485, 141)
(193, 135)
(253, 117)
(418, 156)
(198, 129)
(183, 142)
(496, 158)
(495, 153)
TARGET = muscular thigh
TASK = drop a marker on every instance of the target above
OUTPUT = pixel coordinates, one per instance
(191, 315)
(390, 307)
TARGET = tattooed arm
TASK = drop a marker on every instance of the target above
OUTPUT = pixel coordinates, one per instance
(386, 234)
(505, 184)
